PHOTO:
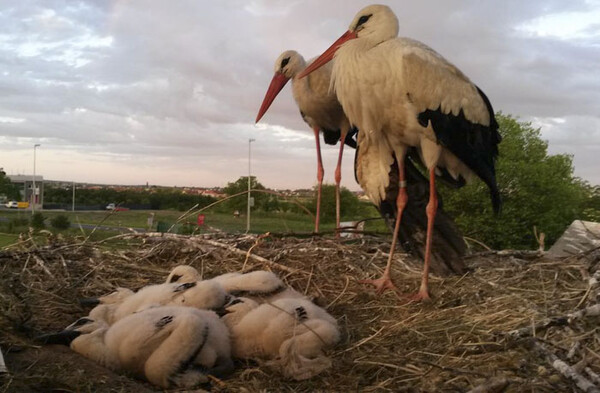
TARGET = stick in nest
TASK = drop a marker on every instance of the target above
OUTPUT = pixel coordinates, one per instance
(492, 385)
(562, 367)
(258, 241)
(591, 311)
(255, 257)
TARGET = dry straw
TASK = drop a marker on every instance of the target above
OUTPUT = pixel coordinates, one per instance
(500, 327)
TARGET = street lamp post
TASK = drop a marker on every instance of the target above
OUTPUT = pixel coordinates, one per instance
(249, 177)
(33, 191)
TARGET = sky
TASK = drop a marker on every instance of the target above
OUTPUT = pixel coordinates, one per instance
(166, 92)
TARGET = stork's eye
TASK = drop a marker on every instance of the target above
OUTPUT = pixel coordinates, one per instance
(82, 321)
(235, 301)
(284, 62)
(363, 19)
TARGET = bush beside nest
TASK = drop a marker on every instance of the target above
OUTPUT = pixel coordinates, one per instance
(60, 222)
(37, 221)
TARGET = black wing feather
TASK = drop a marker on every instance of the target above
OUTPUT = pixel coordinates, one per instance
(474, 144)
(332, 137)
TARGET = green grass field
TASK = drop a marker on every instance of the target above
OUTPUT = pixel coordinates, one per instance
(8, 239)
(261, 222)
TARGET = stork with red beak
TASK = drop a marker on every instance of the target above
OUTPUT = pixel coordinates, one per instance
(400, 94)
(319, 108)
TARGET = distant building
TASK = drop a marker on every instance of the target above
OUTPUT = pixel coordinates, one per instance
(212, 193)
(25, 184)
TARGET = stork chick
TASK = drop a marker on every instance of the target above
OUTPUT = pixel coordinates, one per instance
(107, 305)
(200, 294)
(260, 285)
(183, 274)
(290, 333)
(169, 346)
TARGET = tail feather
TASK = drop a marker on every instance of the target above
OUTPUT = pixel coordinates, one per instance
(448, 248)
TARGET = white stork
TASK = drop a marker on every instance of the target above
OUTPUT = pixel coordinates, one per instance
(400, 93)
(319, 108)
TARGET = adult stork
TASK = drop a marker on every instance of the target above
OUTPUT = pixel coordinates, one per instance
(319, 108)
(400, 93)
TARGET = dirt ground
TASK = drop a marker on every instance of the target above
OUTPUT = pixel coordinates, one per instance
(500, 326)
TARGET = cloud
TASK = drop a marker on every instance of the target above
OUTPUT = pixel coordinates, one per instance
(167, 92)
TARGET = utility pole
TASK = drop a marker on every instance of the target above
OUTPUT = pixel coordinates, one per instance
(73, 205)
(33, 191)
(249, 177)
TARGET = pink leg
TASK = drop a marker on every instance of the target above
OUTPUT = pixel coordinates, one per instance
(320, 173)
(431, 209)
(338, 179)
(385, 282)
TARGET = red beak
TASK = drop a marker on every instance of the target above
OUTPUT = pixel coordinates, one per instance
(277, 83)
(327, 56)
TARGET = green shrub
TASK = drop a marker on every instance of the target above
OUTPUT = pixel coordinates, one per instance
(37, 221)
(17, 225)
(60, 222)
(538, 189)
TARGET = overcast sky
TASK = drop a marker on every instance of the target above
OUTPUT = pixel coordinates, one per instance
(166, 92)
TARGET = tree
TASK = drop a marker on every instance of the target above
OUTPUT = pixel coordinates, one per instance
(154, 199)
(591, 206)
(350, 205)
(537, 189)
(7, 188)
(261, 200)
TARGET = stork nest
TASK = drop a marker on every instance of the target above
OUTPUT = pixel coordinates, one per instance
(497, 328)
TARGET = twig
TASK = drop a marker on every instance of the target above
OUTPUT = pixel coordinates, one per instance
(470, 239)
(492, 385)
(255, 257)
(41, 263)
(452, 369)
(555, 321)
(106, 216)
(361, 342)
(565, 369)
(581, 254)
(293, 316)
(258, 241)
(595, 377)
(293, 200)
(181, 217)
(592, 284)
(3, 368)
(540, 239)
(522, 254)
(340, 294)
(196, 240)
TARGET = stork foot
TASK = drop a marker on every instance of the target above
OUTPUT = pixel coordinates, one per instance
(421, 296)
(381, 284)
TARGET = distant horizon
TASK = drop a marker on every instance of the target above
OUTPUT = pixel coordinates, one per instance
(131, 92)
(162, 185)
